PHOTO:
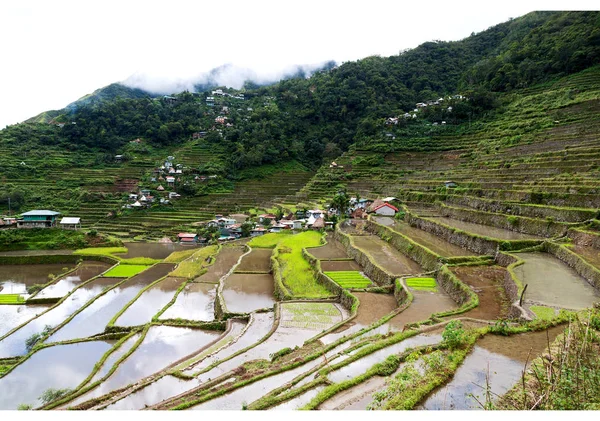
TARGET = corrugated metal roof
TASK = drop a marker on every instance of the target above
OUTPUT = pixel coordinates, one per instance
(41, 213)
(70, 220)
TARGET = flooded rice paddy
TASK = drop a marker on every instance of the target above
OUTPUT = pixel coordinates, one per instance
(149, 303)
(14, 279)
(195, 302)
(226, 258)
(551, 282)
(299, 401)
(386, 256)
(497, 359)
(424, 304)
(14, 344)
(63, 286)
(12, 316)
(336, 265)
(488, 283)
(162, 346)
(258, 260)
(332, 250)
(58, 367)
(244, 293)
(484, 230)
(426, 239)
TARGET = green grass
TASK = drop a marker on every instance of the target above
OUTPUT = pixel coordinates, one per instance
(268, 241)
(101, 251)
(11, 299)
(542, 312)
(349, 279)
(179, 256)
(297, 274)
(125, 271)
(112, 251)
(422, 284)
(194, 265)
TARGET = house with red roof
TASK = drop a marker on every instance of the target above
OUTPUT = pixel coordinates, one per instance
(385, 209)
(187, 238)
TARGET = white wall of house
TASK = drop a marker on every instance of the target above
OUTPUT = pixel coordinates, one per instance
(385, 211)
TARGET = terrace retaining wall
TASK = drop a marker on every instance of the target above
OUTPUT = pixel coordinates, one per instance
(379, 275)
(584, 238)
(544, 228)
(583, 268)
(420, 254)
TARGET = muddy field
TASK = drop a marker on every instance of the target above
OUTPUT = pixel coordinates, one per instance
(386, 256)
(485, 230)
(487, 283)
(332, 250)
(14, 279)
(152, 250)
(333, 265)
(63, 286)
(244, 293)
(258, 260)
(195, 302)
(227, 257)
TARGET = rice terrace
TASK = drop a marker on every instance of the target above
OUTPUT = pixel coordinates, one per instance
(331, 242)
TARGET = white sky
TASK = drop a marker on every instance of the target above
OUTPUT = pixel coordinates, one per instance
(54, 52)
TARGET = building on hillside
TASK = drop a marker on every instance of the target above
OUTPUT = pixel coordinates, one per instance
(70, 223)
(318, 224)
(160, 188)
(171, 181)
(364, 203)
(174, 195)
(386, 210)
(297, 224)
(258, 231)
(187, 238)
(38, 219)
(450, 184)
(266, 218)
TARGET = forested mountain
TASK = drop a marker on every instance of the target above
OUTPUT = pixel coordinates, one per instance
(308, 119)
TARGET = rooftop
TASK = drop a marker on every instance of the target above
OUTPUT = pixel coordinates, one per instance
(41, 213)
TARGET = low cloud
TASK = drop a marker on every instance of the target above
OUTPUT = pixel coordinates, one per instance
(229, 75)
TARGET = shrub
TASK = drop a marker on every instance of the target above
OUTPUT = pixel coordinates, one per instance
(454, 335)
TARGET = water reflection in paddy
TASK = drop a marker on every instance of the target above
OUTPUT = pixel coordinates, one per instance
(59, 367)
(12, 316)
(244, 293)
(162, 346)
(386, 256)
(485, 230)
(195, 302)
(152, 250)
(149, 303)
(14, 279)
(84, 272)
(14, 344)
(502, 358)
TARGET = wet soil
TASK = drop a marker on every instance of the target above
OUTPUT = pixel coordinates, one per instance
(259, 260)
(63, 286)
(485, 230)
(589, 254)
(195, 302)
(150, 303)
(227, 257)
(152, 250)
(487, 282)
(152, 274)
(14, 279)
(424, 304)
(501, 359)
(332, 250)
(426, 239)
(244, 293)
(333, 265)
(553, 283)
(386, 256)
(59, 367)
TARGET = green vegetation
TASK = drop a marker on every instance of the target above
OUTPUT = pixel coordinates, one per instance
(349, 279)
(125, 271)
(296, 273)
(36, 337)
(113, 252)
(422, 284)
(194, 265)
(11, 299)
(51, 394)
(268, 241)
(47, 239)
(179, 256)
(310, 315)
(542, 312)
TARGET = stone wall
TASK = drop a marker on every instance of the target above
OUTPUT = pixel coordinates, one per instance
(379, 275)
(584, 238)
(583, 268)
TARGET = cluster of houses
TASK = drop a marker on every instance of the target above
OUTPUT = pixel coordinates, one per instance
(41, 219)
(420, 105)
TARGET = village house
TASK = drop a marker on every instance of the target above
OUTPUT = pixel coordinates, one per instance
(385, 210)
(297, 224)
(187, 238)
(171, 181)
(174, 195)
(38, 219)
(258, 231)
(220, 120)
(318, 224)
(70, 223)
(266, 218)
(450, 184)
(226, 222)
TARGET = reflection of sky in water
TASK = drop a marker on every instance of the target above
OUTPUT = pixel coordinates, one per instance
(94, 318)
(14, 279)
(162, 346)
(59, 367)
(146, 306)
(65, 285)
(195, 302)
(13, 316)
(15, 344)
